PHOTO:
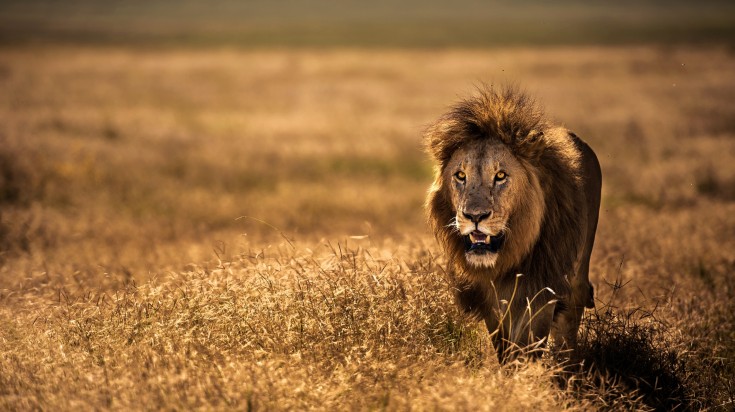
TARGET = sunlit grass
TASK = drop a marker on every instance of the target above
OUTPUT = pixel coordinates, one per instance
(226, 229)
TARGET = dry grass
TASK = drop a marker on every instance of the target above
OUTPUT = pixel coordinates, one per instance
(128, 281)
(334, 330)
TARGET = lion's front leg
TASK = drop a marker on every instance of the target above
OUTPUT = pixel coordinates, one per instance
(567, 319)
(521, 330)
(565, 326)
(568, 316)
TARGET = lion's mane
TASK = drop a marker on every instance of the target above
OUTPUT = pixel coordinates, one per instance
(548, 155)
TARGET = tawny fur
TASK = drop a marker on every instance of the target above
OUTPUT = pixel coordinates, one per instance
(551, 230)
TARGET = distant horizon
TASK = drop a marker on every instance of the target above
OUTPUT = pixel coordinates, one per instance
(352, 24)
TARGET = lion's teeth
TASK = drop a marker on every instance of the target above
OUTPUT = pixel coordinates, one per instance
(479, 237)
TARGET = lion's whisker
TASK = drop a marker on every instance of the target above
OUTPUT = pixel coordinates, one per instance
(453, 224)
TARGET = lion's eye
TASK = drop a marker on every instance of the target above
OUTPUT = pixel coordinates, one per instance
(500, 176)
(461, 176)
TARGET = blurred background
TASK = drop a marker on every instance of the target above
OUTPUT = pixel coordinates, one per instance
(137, 135)
(260, 23)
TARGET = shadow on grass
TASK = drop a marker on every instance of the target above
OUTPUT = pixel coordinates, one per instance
(619, 349)
(628, 359)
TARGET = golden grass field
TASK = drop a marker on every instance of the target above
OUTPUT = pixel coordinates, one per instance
(243, 229)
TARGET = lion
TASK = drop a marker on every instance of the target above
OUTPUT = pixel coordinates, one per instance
(514, 204)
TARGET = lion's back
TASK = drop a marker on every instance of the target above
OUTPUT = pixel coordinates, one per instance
(591, 175)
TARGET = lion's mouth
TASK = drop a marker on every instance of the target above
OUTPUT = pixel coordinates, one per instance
(480, 243)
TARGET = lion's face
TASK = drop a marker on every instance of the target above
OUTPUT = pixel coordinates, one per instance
(486, 182)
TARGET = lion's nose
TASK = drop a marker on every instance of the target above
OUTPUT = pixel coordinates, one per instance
(477, 217)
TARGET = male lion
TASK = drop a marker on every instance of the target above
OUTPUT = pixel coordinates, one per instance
(514, 204)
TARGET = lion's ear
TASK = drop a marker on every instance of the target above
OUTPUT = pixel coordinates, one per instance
(443, 137)
(532, 145)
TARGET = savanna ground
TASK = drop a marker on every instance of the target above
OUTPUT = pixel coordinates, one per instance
(228, 228)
